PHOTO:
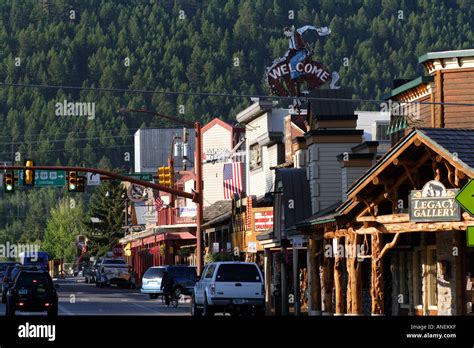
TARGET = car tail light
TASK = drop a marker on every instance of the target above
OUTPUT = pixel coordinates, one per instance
(20, 303)
(213, 289)
(46, 304)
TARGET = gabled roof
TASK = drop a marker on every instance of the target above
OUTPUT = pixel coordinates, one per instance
(455, 145)
(454, 140)
(214, 122)
(217, 209)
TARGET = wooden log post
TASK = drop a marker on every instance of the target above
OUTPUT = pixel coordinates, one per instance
(338, 281)
(315, 280)
(377, 283)
(354, 274)
(328, 279)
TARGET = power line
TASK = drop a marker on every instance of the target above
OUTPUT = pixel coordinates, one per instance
(63, 140)
(209, 94)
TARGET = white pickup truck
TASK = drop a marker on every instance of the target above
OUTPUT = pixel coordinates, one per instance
(114, 271)
(235, 287)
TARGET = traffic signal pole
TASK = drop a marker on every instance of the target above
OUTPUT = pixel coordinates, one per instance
(110, 175)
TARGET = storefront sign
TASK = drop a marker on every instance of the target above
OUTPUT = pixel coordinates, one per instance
(217, 154)
(187, 211)
(434, 203)
(215, 247)
(127, 249)
(262, 219)
(297, 242)
(252, 247)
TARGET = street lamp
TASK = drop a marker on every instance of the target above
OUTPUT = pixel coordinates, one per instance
(198, 191)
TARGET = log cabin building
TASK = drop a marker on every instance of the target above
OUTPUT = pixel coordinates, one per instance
(399, 230)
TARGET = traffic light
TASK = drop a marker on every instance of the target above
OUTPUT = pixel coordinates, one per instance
(9, 182)
(80, 184)
(29, 174)
(166, 176)
(72, 181)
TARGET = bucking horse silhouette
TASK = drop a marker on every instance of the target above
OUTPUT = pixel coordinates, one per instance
(287, 74)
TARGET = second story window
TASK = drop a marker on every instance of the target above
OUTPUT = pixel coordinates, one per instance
(255, 156)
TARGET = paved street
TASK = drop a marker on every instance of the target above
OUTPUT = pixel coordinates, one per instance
(78, 298)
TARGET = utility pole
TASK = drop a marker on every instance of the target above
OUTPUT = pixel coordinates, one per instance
(200, 198)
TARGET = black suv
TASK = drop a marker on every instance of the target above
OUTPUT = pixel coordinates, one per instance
(32, 291)
(183, 278)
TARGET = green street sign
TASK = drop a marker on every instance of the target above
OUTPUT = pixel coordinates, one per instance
(465, 197)
(46, 178)
(470, 236)
(142, 176)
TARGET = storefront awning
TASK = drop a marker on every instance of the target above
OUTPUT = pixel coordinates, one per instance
(174, 236)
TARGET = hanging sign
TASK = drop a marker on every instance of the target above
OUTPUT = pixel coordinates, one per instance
(434, 203)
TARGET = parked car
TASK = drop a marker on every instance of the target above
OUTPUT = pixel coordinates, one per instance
(151, 281)
(114, 271)
(32, 291)
(236, 287)
(6, 280)
(183, 280)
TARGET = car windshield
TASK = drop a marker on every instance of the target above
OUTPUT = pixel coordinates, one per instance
(154, 273)
(27, 280)
(238, 273)
(183, 272)
(114, 262)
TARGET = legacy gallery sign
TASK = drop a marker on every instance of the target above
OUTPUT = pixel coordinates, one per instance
(434, 203)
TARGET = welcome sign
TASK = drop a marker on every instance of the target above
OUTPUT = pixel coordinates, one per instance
(434, 203)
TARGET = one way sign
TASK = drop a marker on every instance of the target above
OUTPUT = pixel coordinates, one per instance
(93, 179)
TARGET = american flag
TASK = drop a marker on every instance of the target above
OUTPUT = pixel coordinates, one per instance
(232, 179)
(158, 202)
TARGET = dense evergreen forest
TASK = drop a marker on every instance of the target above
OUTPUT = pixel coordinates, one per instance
(220, 46)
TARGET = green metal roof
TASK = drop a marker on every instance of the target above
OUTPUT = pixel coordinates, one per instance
(445, 54)
(409, 85)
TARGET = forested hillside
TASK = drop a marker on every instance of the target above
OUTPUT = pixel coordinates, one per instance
(220, 46)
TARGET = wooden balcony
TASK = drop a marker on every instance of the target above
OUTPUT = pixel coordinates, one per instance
(170, 216)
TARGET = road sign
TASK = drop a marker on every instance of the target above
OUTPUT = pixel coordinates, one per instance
(47, 178)
(136, 193)
(142, 176)
(117, 250)
(93, 179)
(470, 236)
(465, 197)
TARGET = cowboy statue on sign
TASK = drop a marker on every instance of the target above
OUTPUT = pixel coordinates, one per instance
(286, 74)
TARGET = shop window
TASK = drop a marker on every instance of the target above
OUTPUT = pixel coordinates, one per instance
(255, 156)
